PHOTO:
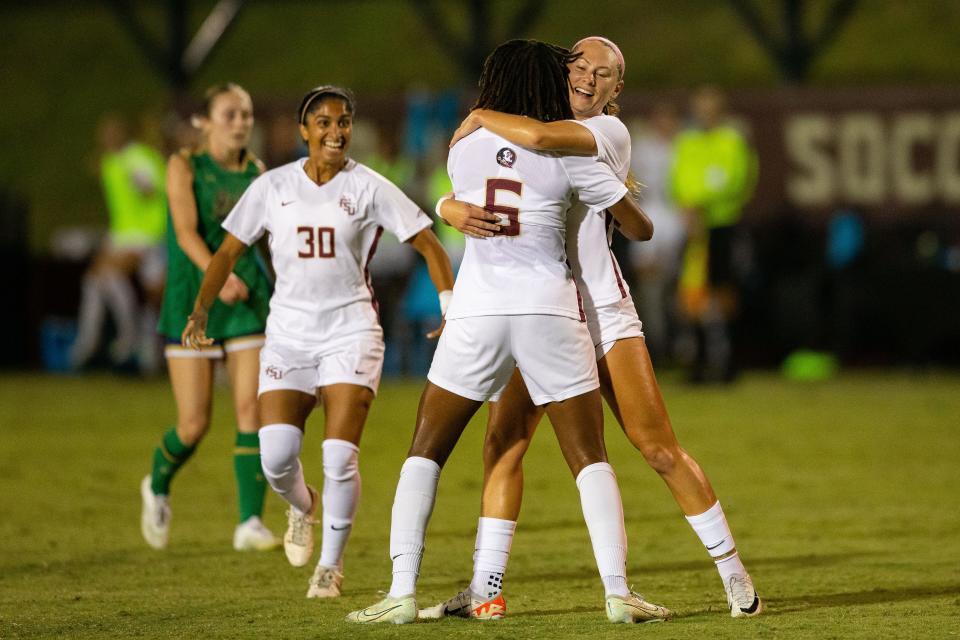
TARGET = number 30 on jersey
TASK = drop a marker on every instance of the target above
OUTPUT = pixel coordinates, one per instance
(316, 242)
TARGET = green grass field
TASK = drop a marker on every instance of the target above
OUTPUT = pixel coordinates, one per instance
(843, 497)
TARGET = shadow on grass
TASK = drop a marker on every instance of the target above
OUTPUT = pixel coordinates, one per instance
(791, 604)
(131, 557)
(806, 561)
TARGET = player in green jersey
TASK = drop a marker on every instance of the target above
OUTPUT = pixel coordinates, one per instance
(202, 187)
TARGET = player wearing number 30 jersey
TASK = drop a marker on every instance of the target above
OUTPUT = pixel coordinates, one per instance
(321, 240)
(324, 215)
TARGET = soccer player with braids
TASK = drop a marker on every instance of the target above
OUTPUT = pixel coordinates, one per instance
(202, 186)
(627, 378)
(324, 215)
(515, 305)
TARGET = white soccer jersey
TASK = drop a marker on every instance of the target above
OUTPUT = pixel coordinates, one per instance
(322, 238)
(588, 243)
(523, 269)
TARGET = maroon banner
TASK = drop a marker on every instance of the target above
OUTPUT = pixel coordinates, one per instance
(891, 154)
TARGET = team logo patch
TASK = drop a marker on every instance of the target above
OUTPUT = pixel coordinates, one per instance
(348, 205)
(506, 157)
(274, 372)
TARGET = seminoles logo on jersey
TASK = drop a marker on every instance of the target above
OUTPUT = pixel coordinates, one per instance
(347, 204)
(506, 157)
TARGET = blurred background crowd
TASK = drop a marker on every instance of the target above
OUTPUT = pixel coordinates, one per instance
(800, 160)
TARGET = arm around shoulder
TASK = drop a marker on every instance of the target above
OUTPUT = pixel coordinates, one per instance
(562, 136)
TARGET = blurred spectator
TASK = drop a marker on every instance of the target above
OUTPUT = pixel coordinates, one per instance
(132, 174)
(713, 176)
(282, 144)
(656, 263)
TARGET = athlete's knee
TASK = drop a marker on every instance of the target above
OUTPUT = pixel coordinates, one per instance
(192, 426)
(340, 460)
(501, 449)
(280, 449)
(661, 458)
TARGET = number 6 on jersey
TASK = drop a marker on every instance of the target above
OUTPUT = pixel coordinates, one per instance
(512, 213)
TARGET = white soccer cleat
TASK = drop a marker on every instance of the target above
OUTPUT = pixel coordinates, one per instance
(298, 540)
(742, 598)
(634, 609)
(402, 610)
(325, 583)
(253, 535)
(154, 516)
(466, 605)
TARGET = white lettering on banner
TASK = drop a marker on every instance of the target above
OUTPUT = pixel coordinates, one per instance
(863, 158)
(861, 154)
(909, 131)
(948, 159)
(807, 137)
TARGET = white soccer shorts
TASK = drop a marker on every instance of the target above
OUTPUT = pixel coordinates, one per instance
(612, 322)
(296, 366)
(476, 357)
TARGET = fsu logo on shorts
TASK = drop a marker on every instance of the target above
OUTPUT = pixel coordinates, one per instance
(274, 372)
(348, 205)
(506, 157)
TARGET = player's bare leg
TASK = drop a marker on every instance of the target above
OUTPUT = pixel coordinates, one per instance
(441, 418)
(512, 422)
(630, 387)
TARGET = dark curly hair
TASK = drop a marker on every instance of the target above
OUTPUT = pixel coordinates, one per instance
(527, 78)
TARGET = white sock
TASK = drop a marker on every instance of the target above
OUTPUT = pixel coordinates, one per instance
(121, 298)
(341, 495)
(412, 506)
(492, 550)
(603, 513)
(89, 322)
(280, 458)
(714, 532)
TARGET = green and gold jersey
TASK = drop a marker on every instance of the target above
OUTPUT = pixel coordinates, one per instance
(215, 190)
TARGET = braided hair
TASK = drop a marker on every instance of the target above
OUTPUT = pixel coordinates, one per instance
(527, 78)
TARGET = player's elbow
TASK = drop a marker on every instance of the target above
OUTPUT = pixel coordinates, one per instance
(537, 140)
(646, 231)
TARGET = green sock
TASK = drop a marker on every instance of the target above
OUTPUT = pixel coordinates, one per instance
(251, 485)
(167, 459)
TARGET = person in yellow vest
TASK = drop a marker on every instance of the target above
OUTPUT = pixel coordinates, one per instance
(713, 175)
(132, 175)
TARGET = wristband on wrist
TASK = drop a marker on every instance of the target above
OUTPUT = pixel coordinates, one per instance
(437, 208)
(445, 296)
